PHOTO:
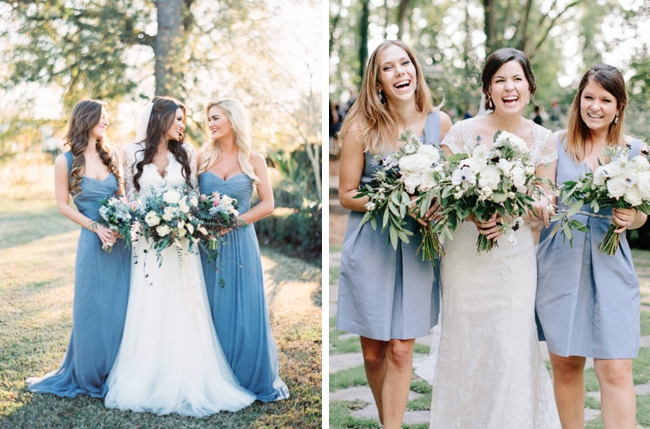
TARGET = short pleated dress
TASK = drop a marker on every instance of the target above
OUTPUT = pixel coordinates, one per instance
(386, 293)
(587, 302)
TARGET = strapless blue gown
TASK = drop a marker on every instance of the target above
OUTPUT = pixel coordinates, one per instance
(239, 307)
(101, 290)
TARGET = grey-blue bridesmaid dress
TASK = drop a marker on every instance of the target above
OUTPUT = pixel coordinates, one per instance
(587, 302)
(101, 289)
(385, 293)
(237, 301)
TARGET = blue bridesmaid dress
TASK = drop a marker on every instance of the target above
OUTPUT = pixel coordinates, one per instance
(587, 302)
(386, 294)
(101, 291)
(237, 301)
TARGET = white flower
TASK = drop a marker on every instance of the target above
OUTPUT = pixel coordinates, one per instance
(427, 181)
(463, 174)
(519, 178)
(430, 152)
(485, 193)
(181, 232)
(640, 163)
(152, 218)
(202, 230)
(182, 205)
(499, 197)
(480, 153)
(600, 175)
(370, 206)
(489, 176)
(194, 201)
(505, 165)
(168, 213)
(643, 182)
(180, 224)
(633, 196)
(171, 197)
(411, 181)
(616, 187)
(225, 199)
(506, 137)
(163, 230)
(414, 163)
(190, 228)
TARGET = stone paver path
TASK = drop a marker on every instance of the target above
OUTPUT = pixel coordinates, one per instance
(340, 362)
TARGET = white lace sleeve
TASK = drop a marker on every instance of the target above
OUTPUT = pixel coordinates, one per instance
(459, 135)
(544, 149)
(191, 152)
(127, 164)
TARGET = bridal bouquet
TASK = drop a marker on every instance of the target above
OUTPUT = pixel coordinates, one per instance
(488, 182)
(621, 183)
(166, 219)
(414, 170)
(117, 214)
(215, 214)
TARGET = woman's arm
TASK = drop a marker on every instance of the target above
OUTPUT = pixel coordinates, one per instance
(264, 191)
(62, 195)
(351, 170)
(628, 219)
(118, 163)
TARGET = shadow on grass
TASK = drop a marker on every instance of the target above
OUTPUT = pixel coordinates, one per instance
(34, 221)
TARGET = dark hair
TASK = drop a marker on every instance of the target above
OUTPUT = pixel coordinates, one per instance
(499, 58)
(162, 117)
(611, 80)
(85, 116)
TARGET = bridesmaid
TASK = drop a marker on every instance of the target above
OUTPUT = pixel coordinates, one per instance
(236, 289)
(588, 302)
(90, 172)
(387, 297)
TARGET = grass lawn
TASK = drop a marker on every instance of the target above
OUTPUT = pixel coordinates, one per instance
(37, 254)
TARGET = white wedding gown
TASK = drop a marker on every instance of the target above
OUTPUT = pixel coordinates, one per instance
(489, 372)
(170, 360)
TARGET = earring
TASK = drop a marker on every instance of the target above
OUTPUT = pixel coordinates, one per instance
(616, 119)
(528, 100)
(381, 96)
(490, 104)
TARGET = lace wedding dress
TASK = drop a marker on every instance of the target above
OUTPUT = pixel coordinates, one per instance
(489, 372)
(170, 360)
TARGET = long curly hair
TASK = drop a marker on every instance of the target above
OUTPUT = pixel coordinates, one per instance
(372, 116)
(237, 117)
(162, 117)
(85, 116)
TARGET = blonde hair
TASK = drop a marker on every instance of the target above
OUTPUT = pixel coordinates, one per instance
(376, 125)
(577, 134)
(238, 119)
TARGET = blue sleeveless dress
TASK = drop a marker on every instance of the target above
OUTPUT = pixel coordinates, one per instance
(587, 303)
(385, 293)
(237, 300)
(101, 290)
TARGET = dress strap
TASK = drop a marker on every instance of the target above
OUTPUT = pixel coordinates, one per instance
(431, 133)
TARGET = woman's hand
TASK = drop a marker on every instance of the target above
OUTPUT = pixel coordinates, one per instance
(543, 210)
(429, 215)
(491, 228)
(106, 235)
(624, 218)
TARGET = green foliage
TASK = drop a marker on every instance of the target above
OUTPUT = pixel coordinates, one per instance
(296, 232)
(296, 185)
(350, 377)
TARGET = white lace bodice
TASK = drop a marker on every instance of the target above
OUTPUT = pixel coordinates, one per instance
(150, 177)
(543, 148)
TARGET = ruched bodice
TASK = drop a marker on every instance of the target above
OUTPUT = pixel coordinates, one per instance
(93, 191)
(239, 186)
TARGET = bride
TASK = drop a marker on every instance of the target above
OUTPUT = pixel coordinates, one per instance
(170, 360)
(489, 372)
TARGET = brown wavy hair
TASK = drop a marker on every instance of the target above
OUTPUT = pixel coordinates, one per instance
(162, 117)
(577, 134)
(377, 126)
(85, 116)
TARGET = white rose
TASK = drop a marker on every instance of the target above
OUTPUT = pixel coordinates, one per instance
(616, 188)
(411, 181)
(163, 230)
(643, 182)
(480, 153)
(414, 162)
(505, 165)
(600, 175)
(171, 197)
(426, 182)
(430, 152)
(168, 214)
(519, 178)
(194, 201)
(633, 196)
(225, 199)
(489, 176)
(152, 219)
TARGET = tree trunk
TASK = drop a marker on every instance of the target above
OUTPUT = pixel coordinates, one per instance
(401, 15)
(363, 36)
(167, 47)
(490, 14)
